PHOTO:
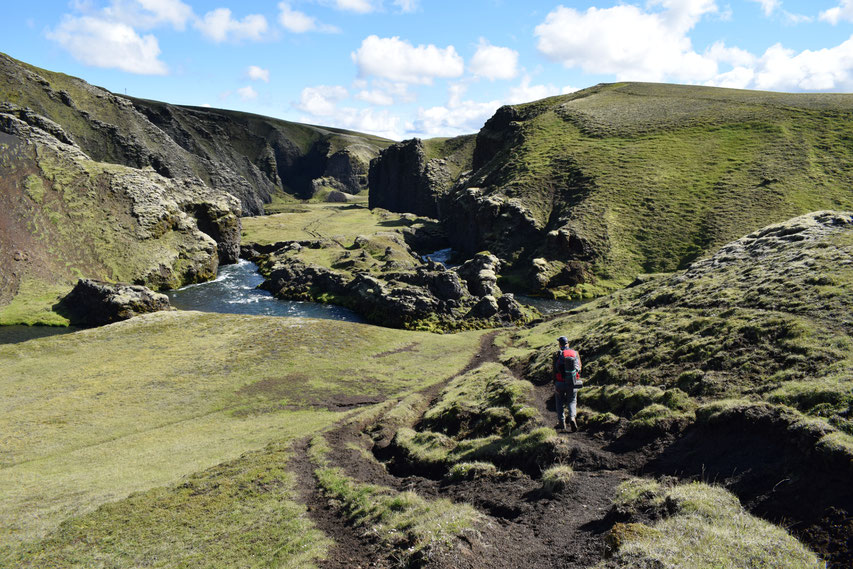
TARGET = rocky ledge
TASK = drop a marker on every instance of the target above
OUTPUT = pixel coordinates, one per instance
(397, 289)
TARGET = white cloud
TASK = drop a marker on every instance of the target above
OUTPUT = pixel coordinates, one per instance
(300, 22)
(359, 6)
(256, 73)
(825, 69)
(384, 93)
(628, 42)
(458, 116)
(398, 60)
(407, 5)
(247, 93)
(174, 12)
(141, 14)
(219, 26)
(782, 69)
(207, 105)
(321, 100)
(768, 6)
(109, 44)
(733, 56)
(844, 11)
(525, 92)
(493, 62)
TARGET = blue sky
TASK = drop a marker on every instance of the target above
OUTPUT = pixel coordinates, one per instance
(403, 68)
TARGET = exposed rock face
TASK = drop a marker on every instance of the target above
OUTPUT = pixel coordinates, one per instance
(577, 194)
(95, 303)
(250, 157)
(405, 180)
(67, 215)
(397, 292)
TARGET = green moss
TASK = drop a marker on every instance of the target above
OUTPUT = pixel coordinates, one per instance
(240, 513)
(164, 395)
(698, 519)
(414, 526)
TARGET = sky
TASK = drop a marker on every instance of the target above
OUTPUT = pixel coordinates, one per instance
(425, 68)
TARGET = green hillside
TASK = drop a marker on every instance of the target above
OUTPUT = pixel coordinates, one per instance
(582, 192)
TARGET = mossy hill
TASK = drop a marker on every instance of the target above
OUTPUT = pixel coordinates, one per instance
(582, 192)
(252, 157)
(64, 216)
(204, 440)
(97, 185)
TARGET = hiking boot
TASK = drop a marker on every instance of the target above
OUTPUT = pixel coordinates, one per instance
(574, 426)
(561, 426)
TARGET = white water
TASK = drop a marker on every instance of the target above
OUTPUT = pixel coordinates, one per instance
(234, 291)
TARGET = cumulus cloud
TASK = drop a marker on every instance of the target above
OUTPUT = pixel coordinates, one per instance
(842, 12)
(385, 93)
(219, 26)
(782, 69)
(525, 92)
(359, 6)
(407, 5)
(247, 93)
(492, 62)
(629, 42)
(109, 44)
(321, 100)
(768, 6)
(458, 116)
(258, 73)
(398, 60)
(300, 22)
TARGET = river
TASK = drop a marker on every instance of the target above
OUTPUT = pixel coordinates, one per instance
(234, 291)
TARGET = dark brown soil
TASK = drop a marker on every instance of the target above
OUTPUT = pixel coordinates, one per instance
(527, 527)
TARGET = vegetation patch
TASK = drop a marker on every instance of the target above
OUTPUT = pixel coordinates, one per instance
(91, 417)
(238, 514)
(415, 528)
(702, 527)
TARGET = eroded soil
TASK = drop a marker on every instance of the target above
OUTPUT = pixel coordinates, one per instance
(527, 527)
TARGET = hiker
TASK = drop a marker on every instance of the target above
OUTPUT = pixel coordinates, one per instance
(567, 367)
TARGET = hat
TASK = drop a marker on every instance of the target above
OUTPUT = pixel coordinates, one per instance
(563, 341)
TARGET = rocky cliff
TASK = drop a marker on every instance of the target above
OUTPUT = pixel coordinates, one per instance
(580, 193)
(64, 215)
(248, 156)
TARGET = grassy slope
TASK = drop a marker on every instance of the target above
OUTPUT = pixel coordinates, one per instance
(764, 321)
(655, 174)
(118, 415)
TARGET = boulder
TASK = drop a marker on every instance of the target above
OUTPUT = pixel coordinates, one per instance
(481, 274)
(95, 303)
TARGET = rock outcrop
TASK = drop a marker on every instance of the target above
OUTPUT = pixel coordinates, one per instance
(578, 194)
(96, 303)
(396, 289)
(247, 156)
(63, 215)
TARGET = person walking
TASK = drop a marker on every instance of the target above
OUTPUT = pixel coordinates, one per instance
(567, 368)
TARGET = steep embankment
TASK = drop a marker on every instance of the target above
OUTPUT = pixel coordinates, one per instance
(741, 368)
(582, 192)
(249, 156)
(64, 216)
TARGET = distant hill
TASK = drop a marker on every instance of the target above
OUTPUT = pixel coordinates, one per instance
(582, 192)
(104, 186)
(249, 156)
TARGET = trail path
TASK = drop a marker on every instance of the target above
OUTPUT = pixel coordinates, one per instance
(524, 526)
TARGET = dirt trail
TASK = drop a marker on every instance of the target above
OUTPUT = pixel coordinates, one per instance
(525, 527)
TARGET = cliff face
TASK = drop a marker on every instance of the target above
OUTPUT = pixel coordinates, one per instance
(65, 216)
(580, 193)
(409, 176)
(248, 156)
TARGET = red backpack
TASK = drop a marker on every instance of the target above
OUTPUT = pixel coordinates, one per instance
(569, 366)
